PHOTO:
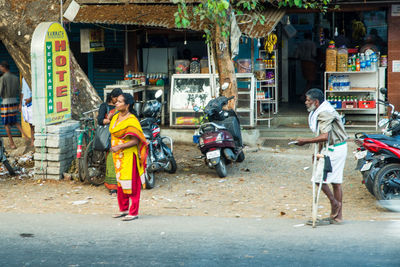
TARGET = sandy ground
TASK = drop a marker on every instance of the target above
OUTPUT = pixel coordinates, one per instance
(270, 183)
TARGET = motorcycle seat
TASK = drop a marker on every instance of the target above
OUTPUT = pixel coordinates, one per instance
(395, 144)
(390, 141)
(381, 137)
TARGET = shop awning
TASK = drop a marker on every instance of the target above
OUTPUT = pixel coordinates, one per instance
(162, 16)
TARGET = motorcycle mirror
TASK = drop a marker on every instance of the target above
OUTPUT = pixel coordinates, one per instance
(225, 86)
(159, 93)
(383, 91)
(196, 108)
(382, 122)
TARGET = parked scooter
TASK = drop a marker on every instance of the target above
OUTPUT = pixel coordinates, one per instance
(219, 137)
(379, 156)
(160, 156)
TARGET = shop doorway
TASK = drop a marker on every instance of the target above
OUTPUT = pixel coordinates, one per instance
(357, 30)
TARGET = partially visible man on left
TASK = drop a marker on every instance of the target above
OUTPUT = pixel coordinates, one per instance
(9, 93)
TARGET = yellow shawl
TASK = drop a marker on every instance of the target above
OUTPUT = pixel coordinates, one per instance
(121, 133)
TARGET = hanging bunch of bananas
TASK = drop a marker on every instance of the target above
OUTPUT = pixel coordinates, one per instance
(359, 30)
(270, 42)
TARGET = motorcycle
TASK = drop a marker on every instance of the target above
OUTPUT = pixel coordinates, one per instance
(219, 136)
(4, 160)
(378, 155)
(160, 156)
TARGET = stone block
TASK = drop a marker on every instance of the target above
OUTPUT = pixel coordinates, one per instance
(58, 157)
(56, 170)
(51, 170)
(40, 156)
(59, 150)
(60, 164)
(40, 164)
(61, 128)
(67, 126)
(48, 176)
(58, 142)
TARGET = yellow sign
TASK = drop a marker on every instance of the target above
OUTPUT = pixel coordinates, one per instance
(96, 40)
(57, 75)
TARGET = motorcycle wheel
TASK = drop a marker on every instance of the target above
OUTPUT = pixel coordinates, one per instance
(9, 168)
(81, 169)
(240, 157)
(96, 160)
(221, 168)
(149, 177)
(172, 165)
(381, 191)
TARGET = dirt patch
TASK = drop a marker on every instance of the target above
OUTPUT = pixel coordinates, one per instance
(269, 183)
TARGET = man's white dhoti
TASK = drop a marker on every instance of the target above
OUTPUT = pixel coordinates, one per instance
(337, 155)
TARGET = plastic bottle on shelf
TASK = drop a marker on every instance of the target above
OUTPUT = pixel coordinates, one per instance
(349, 64)
(362, 62)
(330, 83)
(340, 82)
(334, 82)
(358, 66)
(353, 63)
(344, 83)
(374, 62)
(342, 57)
(367, 62)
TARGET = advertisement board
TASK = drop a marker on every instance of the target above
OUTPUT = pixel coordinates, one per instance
(51, 85)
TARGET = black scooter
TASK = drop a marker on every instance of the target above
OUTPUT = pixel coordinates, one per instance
(219, 137)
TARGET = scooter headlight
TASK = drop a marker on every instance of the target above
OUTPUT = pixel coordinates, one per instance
(201, 141)
(219, 137)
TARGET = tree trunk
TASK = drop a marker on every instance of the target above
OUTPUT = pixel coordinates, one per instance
(18, 20)
(226, 69)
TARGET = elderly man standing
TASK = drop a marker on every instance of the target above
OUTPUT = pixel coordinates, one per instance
(326, 123)
(9, 93)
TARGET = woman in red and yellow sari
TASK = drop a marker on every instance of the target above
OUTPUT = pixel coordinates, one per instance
(129, 147)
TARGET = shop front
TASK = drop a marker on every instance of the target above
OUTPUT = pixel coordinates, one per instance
(343, 52)
(156, 55)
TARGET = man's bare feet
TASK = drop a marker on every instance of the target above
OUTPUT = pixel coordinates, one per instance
(336, 210)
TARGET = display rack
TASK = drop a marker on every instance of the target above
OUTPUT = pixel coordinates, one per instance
(269, 89)
(363, 84)
(246, 94)
(189, 90)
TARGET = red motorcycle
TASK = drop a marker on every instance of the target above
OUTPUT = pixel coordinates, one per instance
(386, 183)
(219, 137)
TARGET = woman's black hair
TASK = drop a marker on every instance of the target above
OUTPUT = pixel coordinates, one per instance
(108, 98)
(116, 92)
(128, 99)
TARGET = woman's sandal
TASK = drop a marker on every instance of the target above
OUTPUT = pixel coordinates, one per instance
(130, 218)
(120, 215)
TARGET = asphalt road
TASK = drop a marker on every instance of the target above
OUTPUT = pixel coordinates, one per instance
(84, 240)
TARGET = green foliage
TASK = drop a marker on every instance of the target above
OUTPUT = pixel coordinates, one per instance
(218, 12)
(313, 4)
